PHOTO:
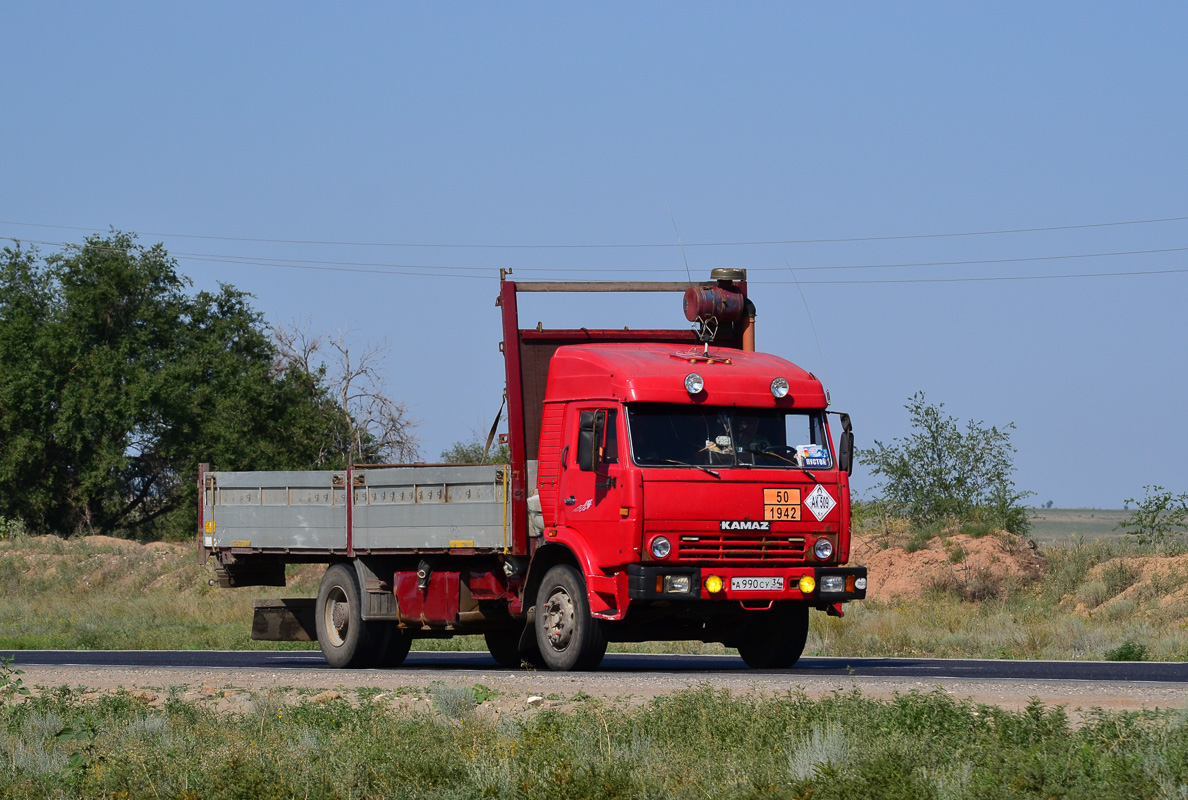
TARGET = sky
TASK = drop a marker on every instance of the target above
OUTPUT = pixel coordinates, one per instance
(908, 185)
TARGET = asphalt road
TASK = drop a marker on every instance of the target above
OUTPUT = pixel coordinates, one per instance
(685, 665)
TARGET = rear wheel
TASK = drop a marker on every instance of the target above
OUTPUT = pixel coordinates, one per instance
(346, 640)
(504, 647)
(567, 636)
(395, 646)
(776, 638)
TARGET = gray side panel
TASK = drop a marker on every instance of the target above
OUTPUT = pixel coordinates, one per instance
(430, 507)
(299, 510)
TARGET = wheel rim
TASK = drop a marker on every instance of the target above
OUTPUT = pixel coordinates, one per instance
(559, 619)
(337, 617)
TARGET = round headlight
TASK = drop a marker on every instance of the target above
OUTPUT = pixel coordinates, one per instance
(661, 547)
(713, 584)
(823, 549)
(779, 388)
(807, 584)
(694, 383)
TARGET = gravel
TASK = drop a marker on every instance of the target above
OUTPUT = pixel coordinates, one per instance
(230, 688)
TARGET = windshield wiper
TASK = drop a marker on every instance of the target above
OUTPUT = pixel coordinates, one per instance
(771, 451)
(704, 469)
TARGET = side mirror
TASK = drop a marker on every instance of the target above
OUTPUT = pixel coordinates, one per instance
(595, 459)
(586, 457)
(596, 440)
(845, 455)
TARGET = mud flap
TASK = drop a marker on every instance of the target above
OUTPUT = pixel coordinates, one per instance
(285, 620)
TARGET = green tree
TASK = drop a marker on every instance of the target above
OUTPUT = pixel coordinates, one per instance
(941, 472)
(471, 452)
(115, 382)
(1159, 518)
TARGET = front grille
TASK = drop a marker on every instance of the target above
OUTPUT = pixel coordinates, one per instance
(733, 548)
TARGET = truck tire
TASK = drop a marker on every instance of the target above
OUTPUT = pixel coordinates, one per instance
(776, 639)
(504, 647)
(395, 645)
(346, 640)
(567, 636)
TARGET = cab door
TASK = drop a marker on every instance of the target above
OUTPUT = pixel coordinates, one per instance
(591, 476)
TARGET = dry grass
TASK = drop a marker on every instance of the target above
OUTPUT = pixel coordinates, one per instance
(1085, 600)
(1088, 600)
(101, 593)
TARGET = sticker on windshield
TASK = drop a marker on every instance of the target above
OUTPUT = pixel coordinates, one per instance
(819, 502)
(812, 455)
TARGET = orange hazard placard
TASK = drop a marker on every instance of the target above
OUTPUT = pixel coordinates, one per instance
(781, 504)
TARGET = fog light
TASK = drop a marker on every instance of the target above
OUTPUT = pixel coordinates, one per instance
(833, 583)
(661, 547)
(807, 584)
(823, 549)
(713, 584)
(860, 584)
(694, 383)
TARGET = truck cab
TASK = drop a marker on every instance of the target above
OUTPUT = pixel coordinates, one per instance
(699, 490)
(688, 484)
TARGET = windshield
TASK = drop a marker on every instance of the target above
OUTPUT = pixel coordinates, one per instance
(679, 435)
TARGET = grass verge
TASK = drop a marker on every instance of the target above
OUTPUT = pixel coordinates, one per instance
(691, 743)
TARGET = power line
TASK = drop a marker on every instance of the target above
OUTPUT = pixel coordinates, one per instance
(1134, 273)
(849, 282)
(446, 245)
(382, 267)
(984, 260)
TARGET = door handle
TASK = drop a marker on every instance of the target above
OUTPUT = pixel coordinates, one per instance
(570, 500)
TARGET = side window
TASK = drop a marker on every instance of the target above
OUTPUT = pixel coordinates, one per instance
(807, 440)
(610, 437)
(598, 439)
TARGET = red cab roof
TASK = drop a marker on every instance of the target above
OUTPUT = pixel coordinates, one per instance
(656, 373)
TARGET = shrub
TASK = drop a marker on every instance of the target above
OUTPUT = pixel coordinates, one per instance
(942, 472)
(1128, 651)
(11, 528)
(1093, 594)
(455, 702)
(1160, 518)
(1118, 576)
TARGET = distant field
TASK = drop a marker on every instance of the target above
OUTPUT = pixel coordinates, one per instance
(1061, 524)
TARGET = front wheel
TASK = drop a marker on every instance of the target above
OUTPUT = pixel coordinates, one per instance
(346, 640)
(567, 636)
(776, 638)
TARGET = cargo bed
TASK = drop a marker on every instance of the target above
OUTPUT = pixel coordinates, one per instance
(415, 508)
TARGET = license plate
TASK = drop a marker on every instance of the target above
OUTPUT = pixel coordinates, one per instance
(757, 584)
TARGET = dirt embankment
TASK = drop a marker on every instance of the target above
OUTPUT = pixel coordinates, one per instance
(1149, 587)
(980, 567)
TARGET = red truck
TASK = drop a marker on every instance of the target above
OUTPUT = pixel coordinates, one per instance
(663, 485)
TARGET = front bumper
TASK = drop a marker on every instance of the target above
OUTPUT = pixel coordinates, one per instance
(648, 582)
